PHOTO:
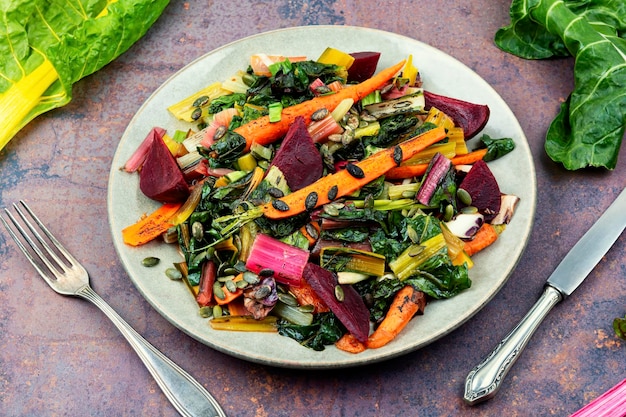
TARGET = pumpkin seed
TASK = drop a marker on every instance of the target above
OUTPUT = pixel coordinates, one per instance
(220, 132)
(206, 312)
(197, 230)
(230, 271)
(171, 235)
(412, 234)
(262, 292)
(365, 116)
(150, 261)
(416, 250)
(250, 277)
(339, 294)
(307, 308)
(397, 155)
(464, 197)
(280, 205)
(319, 114)
(448, 213)
(322, 89)
(469, 210)
(335, 137)
(201, 101)
(331, 210)
(196, 113)
(348, 136)
(355, 171)
(266, 272)
(332, 193)
(275, 192)
(352, 121)
(312, 231)
(288, 299)
(311, 201)
(218, 291)
(230, 285)
(173, 274)
(224, 278)
(241, 283)
(217, 311)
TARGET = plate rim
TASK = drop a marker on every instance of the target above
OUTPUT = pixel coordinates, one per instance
(352, 360)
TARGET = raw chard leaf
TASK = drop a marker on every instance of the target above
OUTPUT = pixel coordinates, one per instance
(48, 45)
(590, 127)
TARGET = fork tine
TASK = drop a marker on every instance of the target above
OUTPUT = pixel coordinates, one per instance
(68, 256)
(37, 265)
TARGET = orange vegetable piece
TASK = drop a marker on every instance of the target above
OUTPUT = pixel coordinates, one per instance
(408, 171)
(485, 236)
(406, 303)
(151, 226)
(306, 295)
(372, 167)
(349, 343)
(264, 132)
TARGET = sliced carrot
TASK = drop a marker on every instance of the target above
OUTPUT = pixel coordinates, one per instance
(264, 132)
(408, 171)
(406, 303)
(485, 236)
(151, 226)
(349, 343)
(306, 295)
(236, 308)
(346, 183)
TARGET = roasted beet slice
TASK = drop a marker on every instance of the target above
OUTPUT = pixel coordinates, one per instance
(298, 158)
(484, 190)
(351, 311)
(471, 117)
(160, 178)
(363, 67)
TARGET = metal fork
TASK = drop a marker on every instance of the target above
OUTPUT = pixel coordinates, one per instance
(68, 277)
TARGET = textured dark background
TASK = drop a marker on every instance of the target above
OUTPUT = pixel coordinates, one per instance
(61, 357)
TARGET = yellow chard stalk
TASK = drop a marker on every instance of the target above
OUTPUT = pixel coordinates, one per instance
(46, 46)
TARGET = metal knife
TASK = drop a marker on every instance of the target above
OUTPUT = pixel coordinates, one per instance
(485, 379)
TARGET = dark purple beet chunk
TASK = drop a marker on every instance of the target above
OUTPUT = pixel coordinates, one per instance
(351, 312)
(298, 158)
(471, 117)
(484, 190)
(160, 178)
(363, 67)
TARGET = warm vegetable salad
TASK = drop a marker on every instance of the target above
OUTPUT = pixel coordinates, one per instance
(324, 199)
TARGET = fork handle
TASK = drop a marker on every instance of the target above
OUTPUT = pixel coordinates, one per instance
(187, 396)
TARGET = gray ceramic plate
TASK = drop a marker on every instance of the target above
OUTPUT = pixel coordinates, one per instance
(441, 74)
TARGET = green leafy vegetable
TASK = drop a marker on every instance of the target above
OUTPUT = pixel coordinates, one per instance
(46, 46)
(496, 148)
(589, 129)
(619, 325)
(325, 330)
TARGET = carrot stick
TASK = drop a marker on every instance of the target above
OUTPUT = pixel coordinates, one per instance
(349, 343)
(372, 167)
(408, 171)
(406, 303)
(263, 132)
(151, 226)
(485, 236)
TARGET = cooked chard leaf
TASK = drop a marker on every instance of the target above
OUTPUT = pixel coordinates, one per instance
(496, 148)
(325, 330)
(589, 129)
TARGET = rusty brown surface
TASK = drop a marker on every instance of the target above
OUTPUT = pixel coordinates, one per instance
(52, 364)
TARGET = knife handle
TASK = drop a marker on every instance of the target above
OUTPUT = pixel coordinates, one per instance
(485, 379)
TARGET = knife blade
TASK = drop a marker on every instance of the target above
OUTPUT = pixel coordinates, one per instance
(485, 379)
